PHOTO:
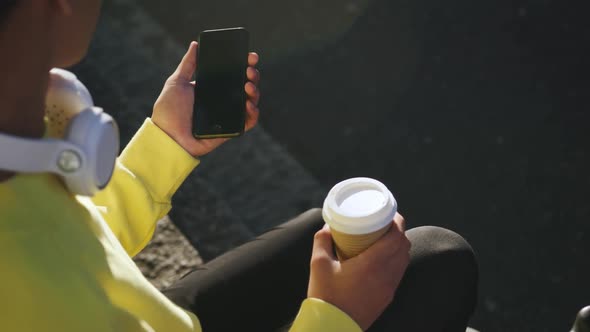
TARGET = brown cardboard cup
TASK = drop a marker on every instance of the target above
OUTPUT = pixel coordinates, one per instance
(350, 245)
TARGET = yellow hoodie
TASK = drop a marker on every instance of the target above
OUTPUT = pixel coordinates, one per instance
(65, 259)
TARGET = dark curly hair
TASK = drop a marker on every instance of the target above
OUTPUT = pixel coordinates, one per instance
(5, 8)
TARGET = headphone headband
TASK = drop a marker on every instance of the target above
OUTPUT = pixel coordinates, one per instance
(39, 156)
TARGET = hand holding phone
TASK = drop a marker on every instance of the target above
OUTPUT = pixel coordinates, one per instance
(173, 111)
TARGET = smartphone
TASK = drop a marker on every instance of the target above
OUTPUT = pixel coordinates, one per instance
(220, 99)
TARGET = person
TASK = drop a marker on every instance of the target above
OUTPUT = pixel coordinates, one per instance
(66, 262)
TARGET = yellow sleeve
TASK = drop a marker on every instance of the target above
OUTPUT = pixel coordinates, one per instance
(147, 174)
(317, 315)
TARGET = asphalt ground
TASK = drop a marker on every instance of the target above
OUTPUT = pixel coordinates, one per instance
(475, 114)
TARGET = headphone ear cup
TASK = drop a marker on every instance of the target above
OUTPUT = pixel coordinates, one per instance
(66, 97)
(57, 121)
(97, 136)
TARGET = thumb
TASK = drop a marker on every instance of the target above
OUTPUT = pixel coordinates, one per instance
(322, 244)
(188, 64)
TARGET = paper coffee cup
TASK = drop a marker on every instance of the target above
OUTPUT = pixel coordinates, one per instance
(359, 211)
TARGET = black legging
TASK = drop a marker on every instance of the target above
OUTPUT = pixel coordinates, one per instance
(260, 285)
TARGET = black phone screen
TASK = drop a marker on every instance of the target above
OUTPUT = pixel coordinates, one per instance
(220, 99)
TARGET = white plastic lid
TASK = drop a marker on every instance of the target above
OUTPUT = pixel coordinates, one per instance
(359, 206)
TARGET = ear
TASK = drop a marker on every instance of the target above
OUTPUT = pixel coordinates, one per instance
(64, 7)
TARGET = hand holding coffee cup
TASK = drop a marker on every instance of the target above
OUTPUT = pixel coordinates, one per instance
(370, 240)
(359, 211)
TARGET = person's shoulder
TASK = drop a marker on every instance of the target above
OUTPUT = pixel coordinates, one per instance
(46, 282)
(26, 194)
(33, 205)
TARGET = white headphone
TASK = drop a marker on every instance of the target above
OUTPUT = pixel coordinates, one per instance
(85, 157)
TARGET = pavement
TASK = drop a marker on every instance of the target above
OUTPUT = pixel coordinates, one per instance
(475, 114)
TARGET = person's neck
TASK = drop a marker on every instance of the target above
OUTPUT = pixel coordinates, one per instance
(20, 114)
(25, 65)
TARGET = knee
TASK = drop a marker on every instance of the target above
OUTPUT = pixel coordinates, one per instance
(441, 279)
(444, 253)
(430, 241)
